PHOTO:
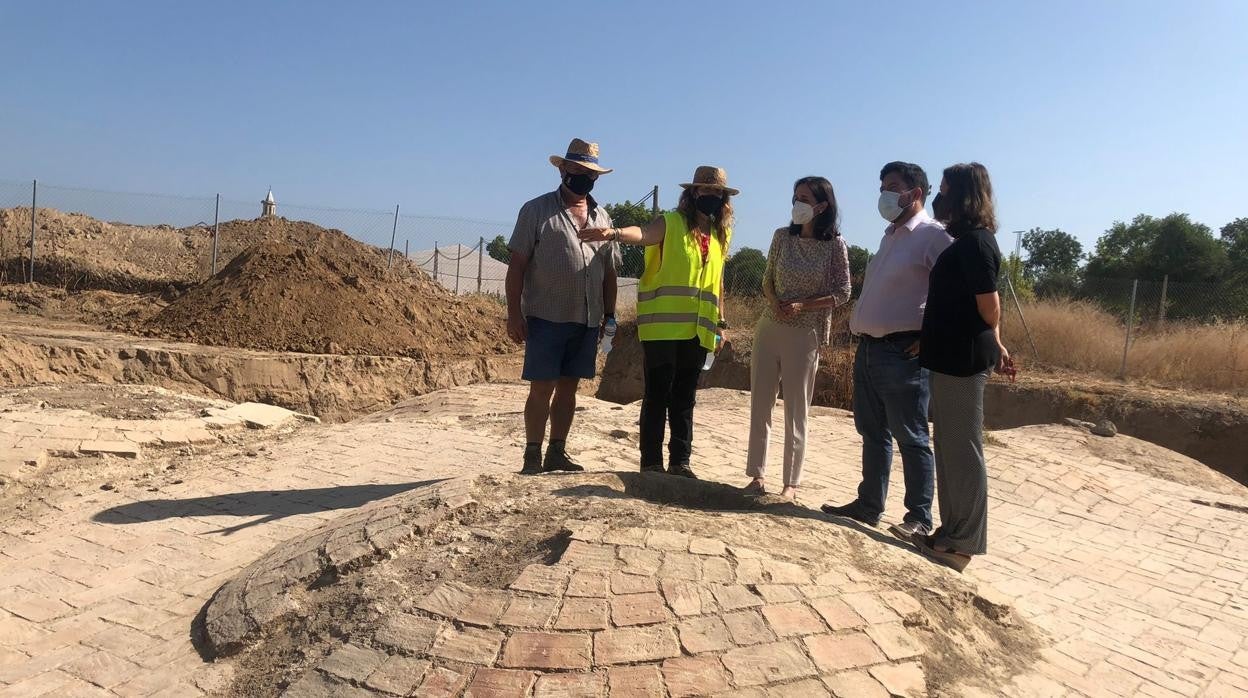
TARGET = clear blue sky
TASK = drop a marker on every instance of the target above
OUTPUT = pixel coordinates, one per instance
(1084, 113)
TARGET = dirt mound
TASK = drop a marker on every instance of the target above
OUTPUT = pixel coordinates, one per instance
(76, 251)
(329, 294)
(117, 311)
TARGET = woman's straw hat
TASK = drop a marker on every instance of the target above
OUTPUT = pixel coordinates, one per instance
(711, 176)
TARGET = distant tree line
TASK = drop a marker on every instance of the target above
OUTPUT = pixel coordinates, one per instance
(1149, 249)
(1184, 253)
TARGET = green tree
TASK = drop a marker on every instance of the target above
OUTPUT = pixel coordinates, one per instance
(628, 213)
(859, 257)
(1185, 251)
(632, 257)
(497, 248)
(1052, 265)
(1012, 268)
(1120, 251)
(1235, 238)
(1051, 252)
(743, 272)
(1150, 248)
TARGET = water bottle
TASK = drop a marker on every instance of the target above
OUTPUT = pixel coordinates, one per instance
(608, 333)
(710, 355)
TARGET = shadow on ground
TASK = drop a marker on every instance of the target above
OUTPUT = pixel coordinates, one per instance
(715, 496)
(268, 505)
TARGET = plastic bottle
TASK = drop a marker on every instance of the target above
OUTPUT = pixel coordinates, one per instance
(710, 355)
(608, 333)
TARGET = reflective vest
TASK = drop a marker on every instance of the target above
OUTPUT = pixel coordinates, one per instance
(678, 294)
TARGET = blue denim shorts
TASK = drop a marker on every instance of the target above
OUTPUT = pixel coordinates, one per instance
(556, 350)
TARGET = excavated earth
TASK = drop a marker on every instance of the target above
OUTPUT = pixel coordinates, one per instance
(1212, 429)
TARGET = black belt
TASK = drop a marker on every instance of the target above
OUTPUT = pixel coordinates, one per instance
(909, 335)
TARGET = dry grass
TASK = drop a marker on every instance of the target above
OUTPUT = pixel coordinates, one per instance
(1080, 336)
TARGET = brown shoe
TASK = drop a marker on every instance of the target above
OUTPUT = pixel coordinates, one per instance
(948, 557)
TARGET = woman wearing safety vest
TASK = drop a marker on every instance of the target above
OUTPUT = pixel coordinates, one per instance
(679, 309)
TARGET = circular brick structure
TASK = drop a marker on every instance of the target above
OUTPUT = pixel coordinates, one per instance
(640, 612)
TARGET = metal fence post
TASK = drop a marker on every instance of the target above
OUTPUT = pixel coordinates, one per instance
(34, 203)
(1022, 318)
(1161, 314)
(216, 233)
(480, 261)
(1122, 372)
(393, 231)
(406, 254)
(435, 262)
(459, 254)
(654, 200)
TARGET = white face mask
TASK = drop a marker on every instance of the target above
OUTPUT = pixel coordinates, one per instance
(803, 212)
(889, 208)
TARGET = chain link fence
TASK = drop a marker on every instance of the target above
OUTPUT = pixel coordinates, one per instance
(1145, 328)
(1192, 334)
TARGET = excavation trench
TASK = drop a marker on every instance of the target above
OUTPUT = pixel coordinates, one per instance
(1212, 431)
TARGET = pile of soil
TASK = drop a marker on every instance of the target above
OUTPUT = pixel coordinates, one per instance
(78, 252)
(329, 294)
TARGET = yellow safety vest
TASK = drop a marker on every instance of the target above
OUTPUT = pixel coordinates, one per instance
(678, 294)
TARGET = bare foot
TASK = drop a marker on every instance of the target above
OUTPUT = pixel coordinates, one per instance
(756, 486)
(789, 494)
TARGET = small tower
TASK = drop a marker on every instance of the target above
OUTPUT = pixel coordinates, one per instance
(268, 206)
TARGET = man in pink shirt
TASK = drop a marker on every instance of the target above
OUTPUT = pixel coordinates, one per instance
(890, 388)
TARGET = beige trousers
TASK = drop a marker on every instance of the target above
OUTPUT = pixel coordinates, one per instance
(788, 355)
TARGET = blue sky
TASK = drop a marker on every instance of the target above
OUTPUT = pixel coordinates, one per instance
(1085, 113)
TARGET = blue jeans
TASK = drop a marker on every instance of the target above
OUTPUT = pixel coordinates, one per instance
(890, 400)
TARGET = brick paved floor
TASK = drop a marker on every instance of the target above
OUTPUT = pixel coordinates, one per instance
(1141, 583)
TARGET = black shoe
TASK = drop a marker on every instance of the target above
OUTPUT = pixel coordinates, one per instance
(532, 463)
(652, 468)
(683, 470)
(557, 459)
(851, 511)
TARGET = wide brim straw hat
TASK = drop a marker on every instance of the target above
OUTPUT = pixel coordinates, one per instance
(711, 176)
(582, 153)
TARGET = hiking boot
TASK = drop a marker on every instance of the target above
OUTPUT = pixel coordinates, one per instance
(532, 462)
(557, 460)
(682, 470)
(909, 530)
(652, 468)
(851, 511)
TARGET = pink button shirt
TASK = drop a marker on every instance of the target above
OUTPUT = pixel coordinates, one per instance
(894, 290)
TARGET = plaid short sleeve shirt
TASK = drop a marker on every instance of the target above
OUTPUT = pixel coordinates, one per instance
(563, 282)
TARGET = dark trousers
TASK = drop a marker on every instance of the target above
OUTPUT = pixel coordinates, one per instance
(672, 369)
(890, 401)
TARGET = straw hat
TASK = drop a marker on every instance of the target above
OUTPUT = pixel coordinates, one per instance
(583, 154)
(711, 176)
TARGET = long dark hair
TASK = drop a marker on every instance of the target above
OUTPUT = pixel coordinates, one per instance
(827, 224)
(968, 205)
(721, 223)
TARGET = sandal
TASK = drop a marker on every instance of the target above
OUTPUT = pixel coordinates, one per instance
(950, 558)
(792, 499)
(756, 487)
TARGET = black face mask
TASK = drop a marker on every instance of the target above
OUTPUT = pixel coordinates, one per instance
(579, 184)
(939, 208)
(709, 205)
